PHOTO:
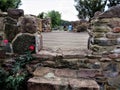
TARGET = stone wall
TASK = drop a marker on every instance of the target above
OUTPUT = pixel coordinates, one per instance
(2, 34)
(10, 21)
(105, 41)
(2, 25)
(29, 37)
(46, 25)
(12, 24)
(80, 26)
(105, 32)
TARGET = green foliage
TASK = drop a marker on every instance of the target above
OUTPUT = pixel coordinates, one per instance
(3, 77)
(55, 18)
(16, 78)
(113, 3)
(5, 4)
(65, 23)
(41, 15)
(14, 82)
(87, 8)
(21, 61)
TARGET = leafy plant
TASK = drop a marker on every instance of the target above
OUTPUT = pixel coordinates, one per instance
(16, 78)
(21, 61)
(14, 82)
(55, 18)
(5, 4)
(3, 76)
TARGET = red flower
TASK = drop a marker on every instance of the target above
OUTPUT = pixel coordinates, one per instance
(5, 41)
(32, 47)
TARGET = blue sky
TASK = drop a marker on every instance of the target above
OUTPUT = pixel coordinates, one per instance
(65, 7)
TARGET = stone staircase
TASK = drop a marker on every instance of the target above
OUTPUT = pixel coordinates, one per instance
(46, 78)
(64, 71)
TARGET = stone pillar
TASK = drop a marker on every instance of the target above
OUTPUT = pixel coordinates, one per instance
(105, 31)
(29, 37)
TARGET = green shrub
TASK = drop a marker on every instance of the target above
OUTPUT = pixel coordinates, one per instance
(17, 77)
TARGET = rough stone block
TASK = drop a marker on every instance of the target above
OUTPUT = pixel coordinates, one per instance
(28, 24)
(65, 73)
(38, 42)
(22, 43)
(1, 23)
(11, 31)
(9, 20)
(105, 59)
(88, 73)
(118, 41)
(41, 71)
(116, 51)
(49, 64)
(39, 21)
(43, 56)
(111, 88)
(73, 54)
(114, 82)
(105, 41)
(114, 56)
(113, 22)
(110, 67)
(116, 30)
(112, 12)
(111, 35)
(40, 83)
(103, 49)
(109, 22)
(15, 13)
(3, 14)
(101, 29)
(2, 52)
(83, 84)
(98, 35)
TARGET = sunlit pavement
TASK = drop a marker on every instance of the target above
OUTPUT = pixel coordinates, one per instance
(65, 40)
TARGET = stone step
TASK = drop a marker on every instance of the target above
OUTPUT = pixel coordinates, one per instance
(46, 78)
(66, 60)
(67, 54)
(71, 59)
(40, 83)
(81, 73)
(45, 56)
(74, 63)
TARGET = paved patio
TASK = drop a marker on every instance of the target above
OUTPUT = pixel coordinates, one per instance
(65, 40)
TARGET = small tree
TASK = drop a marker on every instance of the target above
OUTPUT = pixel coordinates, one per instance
(87, 8)
(5, 4)
(41, 15)
(55, 18)
(113, 3)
